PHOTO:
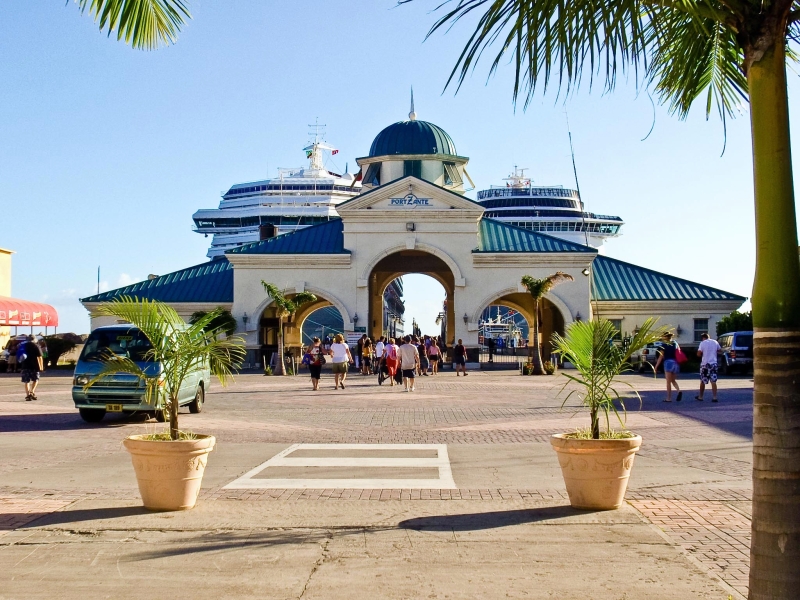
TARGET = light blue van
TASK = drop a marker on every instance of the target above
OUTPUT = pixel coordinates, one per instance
(123, 393)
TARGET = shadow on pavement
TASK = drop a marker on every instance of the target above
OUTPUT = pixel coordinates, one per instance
(81, 515)
(68, 421)
(226, 541)
(490, 520)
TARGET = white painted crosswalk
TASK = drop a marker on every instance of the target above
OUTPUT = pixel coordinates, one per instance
(353, 466)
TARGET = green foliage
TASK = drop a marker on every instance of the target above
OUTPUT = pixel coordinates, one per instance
(285, 306)
(585, 433)
(736, 321)
(599, 363)
(224, 320)
(179, 348)
(267, 370)
(144, 24)
(549, 367)
(57, 347)
(539, 287)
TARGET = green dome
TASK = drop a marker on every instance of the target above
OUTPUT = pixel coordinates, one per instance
(412, 137)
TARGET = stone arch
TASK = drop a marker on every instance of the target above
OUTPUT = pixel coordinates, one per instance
(494, 296)
(422, 247)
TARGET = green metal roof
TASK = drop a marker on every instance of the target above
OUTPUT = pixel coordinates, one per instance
(325, 238)
(496, 236)
(209, 282)
(614, 279)
(412, 137)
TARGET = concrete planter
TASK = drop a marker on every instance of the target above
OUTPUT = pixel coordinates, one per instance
(595, 472)
(169, 473)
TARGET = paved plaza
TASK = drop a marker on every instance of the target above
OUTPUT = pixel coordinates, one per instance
(451, 491)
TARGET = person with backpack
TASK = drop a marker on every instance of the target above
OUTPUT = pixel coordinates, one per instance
(668, 354)
(315, 357)
(460, 358)
(29, 357)
(390, 353)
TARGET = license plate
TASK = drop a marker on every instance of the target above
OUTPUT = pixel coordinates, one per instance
(113, 407)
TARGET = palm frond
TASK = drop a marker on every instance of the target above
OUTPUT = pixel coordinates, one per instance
(539, 287)
(143, 24)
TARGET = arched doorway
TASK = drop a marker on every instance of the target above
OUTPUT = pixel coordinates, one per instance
(513, 307)
(405, 262)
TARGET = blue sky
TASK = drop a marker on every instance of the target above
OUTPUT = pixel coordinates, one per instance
(105, 152)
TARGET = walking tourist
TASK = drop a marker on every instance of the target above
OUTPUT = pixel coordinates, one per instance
(12, 356)
(315, 353)
(668, 353)
(434, 355)
(379, 350)
(422, 352)
(708, 366)
(391, 359)
(409, 362)
(29, 357)
(340, 359)
(367, 352)
(460, 358)
(359, 348)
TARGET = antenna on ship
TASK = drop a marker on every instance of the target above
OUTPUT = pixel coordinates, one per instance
(577, 185)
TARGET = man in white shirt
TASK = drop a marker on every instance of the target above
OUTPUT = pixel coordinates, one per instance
(708, 365)
(409, 361)
(379, 346)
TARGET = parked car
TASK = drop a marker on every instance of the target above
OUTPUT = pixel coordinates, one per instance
(736, 352)
(648, 354)
(124, 393)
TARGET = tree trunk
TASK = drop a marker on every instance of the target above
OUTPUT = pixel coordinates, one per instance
(537, 349)
(280, 368)
(173, 418)
(775, 547)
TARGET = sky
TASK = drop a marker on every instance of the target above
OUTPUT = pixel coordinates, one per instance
(105, 151)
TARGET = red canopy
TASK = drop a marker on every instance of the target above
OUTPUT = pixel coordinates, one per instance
(23, 312)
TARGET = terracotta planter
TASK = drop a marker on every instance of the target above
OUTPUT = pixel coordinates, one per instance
(169, 473)
(595, 472)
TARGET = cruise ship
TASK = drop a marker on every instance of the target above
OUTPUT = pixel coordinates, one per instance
(554, 210)
(250, 212)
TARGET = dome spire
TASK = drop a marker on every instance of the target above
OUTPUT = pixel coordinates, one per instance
(412, 116)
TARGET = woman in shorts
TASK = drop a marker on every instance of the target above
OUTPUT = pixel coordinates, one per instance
(315, 352)
(340, 359)
(367, 352)
(434, 355)
(667, 354)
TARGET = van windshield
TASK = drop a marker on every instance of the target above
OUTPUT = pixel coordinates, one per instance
(122, 342)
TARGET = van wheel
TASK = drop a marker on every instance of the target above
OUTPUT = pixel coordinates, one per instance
(162, 416)
(92, 415)
(196, 405)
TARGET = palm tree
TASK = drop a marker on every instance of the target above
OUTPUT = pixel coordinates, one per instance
(726, 52)
(598, 364)
(179, 348)
(144, 24)
(537, 288)
(224, 321)
(285, 307)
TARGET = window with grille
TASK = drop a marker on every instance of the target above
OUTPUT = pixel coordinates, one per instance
(700, 327)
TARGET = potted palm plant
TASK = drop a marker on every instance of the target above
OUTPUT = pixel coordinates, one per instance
(169, 466)
(285, 307)
(596, 462)
(537, 288)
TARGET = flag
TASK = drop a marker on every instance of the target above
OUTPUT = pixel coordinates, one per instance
(334, 152)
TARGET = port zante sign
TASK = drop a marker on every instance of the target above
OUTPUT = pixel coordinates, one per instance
(410, 201)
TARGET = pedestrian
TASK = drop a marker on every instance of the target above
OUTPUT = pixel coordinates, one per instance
(434, 355)
(315, 354)
(359, 348)
(409, 362)
(367, 352)
(43, 348)
(379, 350)
(12, 356)
(340, 359)
(708, 366)
(424, 363)
(29, 357)
(391, 359)
(460, 358)
(667, 353)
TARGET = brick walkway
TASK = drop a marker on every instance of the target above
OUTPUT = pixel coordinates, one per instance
(707, 515)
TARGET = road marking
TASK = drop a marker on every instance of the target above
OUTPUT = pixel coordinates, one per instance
(442, 462)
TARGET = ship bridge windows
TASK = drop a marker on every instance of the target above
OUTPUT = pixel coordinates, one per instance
(562, 226)
(210, 224)
(531, 202)
(290, 187)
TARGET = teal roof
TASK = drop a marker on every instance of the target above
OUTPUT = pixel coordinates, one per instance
(495, 236)
(325, 238)
(614, 279)
(412, 137)
(210, 282)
